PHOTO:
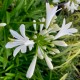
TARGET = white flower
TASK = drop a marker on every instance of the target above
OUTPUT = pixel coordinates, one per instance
(78, 1)
(65, 30)
(71, 6)
(21, 42)
(31, 67)
(56, 1)
(67, 5)
(2, 24)
(50, 13)
(48, 61)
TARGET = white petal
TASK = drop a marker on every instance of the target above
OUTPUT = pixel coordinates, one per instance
(17, 50)
(72, 10)
(51, 12)
(40, 53)
(23, 49)
(72, 30)
(29, 42)
(59, 34)
(3, 24)
(48, 19)
(60, 43)
(30, 47)
(48, 61)
(68, 25)
(64, 22)
(41, 27)
(64, 25)
(56, 50)
(22, 31)
(31, 68)
(15, 34)
(48, 7)
(12, 44)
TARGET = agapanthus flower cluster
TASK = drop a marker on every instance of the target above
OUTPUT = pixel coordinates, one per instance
(47, 36)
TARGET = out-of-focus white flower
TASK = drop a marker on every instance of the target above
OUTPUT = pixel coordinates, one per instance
(56, 1)
(67, 5)
(71, 6)
(21, 42)
(48, 61)
(2, 24)
(31, 67)
(65, 30)
(50, 13)
(78, 1)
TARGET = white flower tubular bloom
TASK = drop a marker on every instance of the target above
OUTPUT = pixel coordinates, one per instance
(40, 53)
(21, 42)
(31, 68)
(50, 13)
(48, 61)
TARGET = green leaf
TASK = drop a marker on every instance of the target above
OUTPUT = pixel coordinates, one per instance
(64, 76)
(18, 8)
